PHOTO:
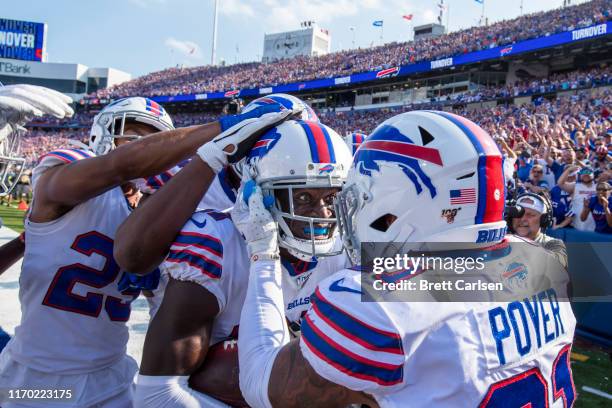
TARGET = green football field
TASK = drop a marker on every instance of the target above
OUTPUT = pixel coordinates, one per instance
(591, 365)
(12, 217)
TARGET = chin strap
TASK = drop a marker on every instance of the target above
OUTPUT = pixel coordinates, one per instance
(302, 248)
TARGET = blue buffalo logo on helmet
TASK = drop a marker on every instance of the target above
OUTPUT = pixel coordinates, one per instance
(286, 101)
(264, 145)
(326, 169)
(387, 143)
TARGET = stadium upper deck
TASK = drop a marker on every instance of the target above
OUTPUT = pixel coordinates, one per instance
(175, 81)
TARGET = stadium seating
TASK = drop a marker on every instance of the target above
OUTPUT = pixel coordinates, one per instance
(201, 79)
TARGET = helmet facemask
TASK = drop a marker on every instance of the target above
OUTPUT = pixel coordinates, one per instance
(304, 236)
(10, 162)
(348, 203)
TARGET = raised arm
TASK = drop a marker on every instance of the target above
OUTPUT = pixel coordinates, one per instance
(63, 187)
(562, 182)
(143, 240)
(273, 370)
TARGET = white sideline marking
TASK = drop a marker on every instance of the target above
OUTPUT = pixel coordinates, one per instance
(597, 392)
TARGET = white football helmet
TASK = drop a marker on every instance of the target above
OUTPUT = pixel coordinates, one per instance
(11, 164)
(288, 101)
(354, 140)
(300, 154)
(422, 177)
(109, 124)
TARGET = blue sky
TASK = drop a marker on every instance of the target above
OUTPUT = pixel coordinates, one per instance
(140, 36)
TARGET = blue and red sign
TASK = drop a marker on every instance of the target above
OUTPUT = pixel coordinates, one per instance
(22, 40)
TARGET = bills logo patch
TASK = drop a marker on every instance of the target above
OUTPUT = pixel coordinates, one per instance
(264, 145)
(388, 144)
(515, 275)
(326, 169)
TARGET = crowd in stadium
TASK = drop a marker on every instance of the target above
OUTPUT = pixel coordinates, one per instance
(250, 75)
(544, 138)
(547, 134)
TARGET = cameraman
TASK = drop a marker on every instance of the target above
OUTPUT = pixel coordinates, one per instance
(533, 215)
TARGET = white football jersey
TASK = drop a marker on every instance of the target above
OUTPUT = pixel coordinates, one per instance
(451, 354)
(210, 251)
(197, 255)
(300, 280)
(73, 316)
(220, 196)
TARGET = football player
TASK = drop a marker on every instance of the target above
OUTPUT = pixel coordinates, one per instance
(73, 334)
(302, 165)
(156, 226)
(397, 354)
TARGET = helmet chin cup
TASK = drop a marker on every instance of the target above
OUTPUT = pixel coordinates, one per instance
(304, 249)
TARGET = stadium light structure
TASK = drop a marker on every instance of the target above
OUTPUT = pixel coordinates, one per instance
(213, 53)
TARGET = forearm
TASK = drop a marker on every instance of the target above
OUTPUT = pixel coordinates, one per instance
(156, 153)
(567, 221)
(585, 213)
(142, 241)
(609, 218)
(177, 339)
(10, 253)
(263, 331)
(69, 185)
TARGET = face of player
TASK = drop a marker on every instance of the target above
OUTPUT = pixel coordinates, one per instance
(310, 202)
(528, 225)
(135, 129)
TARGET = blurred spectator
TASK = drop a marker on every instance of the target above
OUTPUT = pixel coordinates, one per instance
(582, 190)
(536, 183)
(600, 206)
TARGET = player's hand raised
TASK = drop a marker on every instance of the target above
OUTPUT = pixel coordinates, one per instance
(240, 132)
(21, 103)
(255, 222)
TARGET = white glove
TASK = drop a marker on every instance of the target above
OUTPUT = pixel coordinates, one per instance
(255, 223)
(20, 103)
(236, 142)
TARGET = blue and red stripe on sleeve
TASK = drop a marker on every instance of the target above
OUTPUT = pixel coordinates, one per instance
(351, 345)
(201, 251)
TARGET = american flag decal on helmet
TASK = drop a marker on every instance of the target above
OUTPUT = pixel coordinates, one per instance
(154, 107)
